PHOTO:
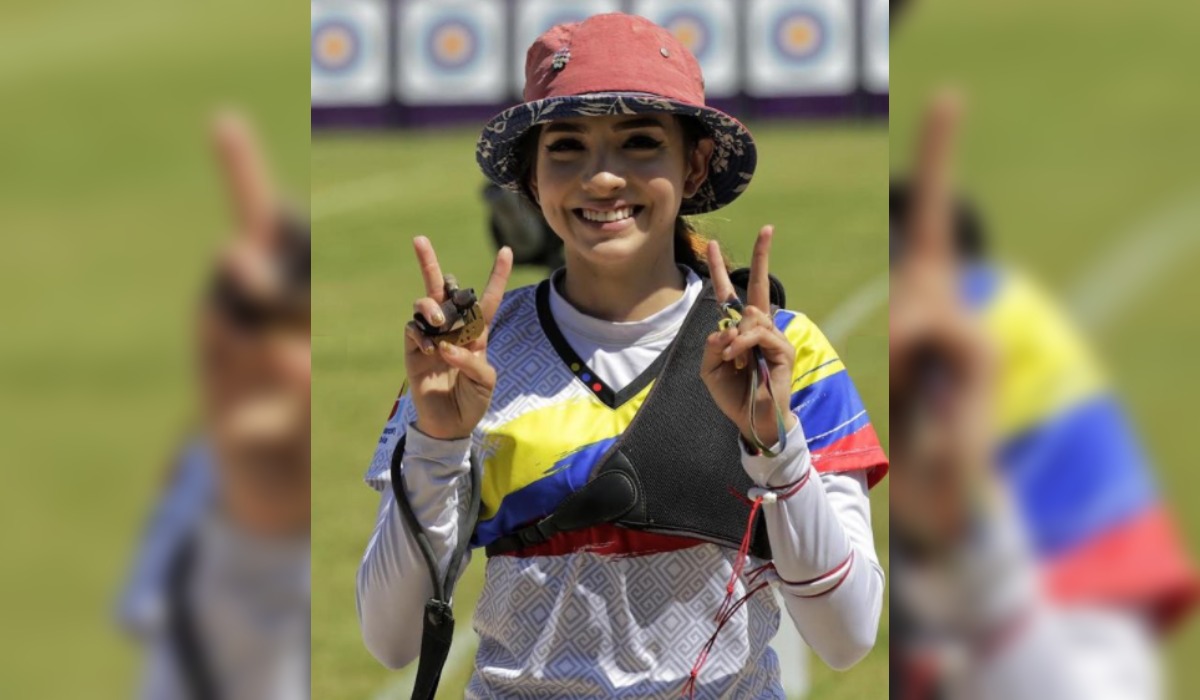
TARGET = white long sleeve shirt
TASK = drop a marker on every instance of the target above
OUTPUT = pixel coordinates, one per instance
(588, 623)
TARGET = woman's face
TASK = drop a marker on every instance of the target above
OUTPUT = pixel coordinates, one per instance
(611, 186)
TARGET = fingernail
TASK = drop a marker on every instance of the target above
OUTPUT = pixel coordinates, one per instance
(740, 363)
(438, 318)
(727, 353)
(447, 348)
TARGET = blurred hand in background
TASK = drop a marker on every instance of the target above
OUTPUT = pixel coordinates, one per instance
(1031, 555)
(219, 594)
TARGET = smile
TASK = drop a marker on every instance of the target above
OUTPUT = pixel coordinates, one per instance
(607, 216)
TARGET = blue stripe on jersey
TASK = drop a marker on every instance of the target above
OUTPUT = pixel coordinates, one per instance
(782, 318)
(1077, 475)
(540, 498)
(979, 284)
(829, 409)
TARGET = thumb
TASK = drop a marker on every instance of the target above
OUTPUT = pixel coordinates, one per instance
(474, 365)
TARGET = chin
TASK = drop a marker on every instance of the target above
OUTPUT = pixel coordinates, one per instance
(613, 251)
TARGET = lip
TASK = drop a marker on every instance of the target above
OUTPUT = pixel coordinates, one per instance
(608, 226)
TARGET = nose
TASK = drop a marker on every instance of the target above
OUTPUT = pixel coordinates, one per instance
(603, 181)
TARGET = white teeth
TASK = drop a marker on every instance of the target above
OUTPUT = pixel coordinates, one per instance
(606, 216)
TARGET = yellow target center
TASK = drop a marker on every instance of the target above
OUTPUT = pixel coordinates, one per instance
(335, 46)
(800, 34)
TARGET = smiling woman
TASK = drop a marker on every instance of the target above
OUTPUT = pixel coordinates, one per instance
(588, 438)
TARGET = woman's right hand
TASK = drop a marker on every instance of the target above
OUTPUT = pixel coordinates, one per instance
(450, 386)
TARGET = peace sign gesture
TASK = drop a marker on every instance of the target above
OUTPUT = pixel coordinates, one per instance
(940, 361)
(451, 386)
(729, 354)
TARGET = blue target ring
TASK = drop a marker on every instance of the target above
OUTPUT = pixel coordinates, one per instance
(336, 46)
(452, 43)
(691, 30)
(800, 36)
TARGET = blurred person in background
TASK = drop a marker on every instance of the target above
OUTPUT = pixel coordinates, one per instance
(219, 595)
(1032, 556)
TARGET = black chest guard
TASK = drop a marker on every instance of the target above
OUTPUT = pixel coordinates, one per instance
(673, 469)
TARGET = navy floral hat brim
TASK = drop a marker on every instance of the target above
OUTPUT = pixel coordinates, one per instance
(730, 167)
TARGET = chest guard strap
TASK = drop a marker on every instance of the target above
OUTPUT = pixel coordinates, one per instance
(673, 468)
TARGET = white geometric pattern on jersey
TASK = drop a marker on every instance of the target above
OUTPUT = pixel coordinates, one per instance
(585, 625)
(530, 375)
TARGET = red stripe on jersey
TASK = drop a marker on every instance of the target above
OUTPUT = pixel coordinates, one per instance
(1139, 563)
(859, 450)
(607, 540)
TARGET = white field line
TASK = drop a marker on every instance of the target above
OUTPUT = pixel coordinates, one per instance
(843, 320)
(1115, 282)
(793, 654)
(337, 200)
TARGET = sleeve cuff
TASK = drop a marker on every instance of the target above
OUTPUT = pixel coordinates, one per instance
(421, 446)
(782, 469)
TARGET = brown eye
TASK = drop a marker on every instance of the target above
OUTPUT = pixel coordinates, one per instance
(643, 142)
(565, 145)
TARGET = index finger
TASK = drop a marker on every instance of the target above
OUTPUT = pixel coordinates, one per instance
(722, 286)
(493, 293)
(431, 271)
(930, 221)
(758, 293)
(246, 176)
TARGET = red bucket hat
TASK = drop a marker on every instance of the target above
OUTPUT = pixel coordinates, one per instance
(617, 64)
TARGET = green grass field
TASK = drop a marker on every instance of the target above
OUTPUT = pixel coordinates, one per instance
(1079, 141)
(110, 212)
(823, 186)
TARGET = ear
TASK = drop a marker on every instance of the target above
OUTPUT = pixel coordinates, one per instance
(697, 166)
(532, 184)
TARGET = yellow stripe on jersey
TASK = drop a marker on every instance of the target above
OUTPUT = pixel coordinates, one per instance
(1045, 366)
(815, 357)
(527, 448)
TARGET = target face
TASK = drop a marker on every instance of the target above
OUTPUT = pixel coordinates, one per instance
(453, 44)
(691, 30)
(532, 18)
(450, 52)
(348, 53)
(800, 36)
(798, 48)
(336, 46)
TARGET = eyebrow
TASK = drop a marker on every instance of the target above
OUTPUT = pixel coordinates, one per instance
(574, 128)
(638, 124)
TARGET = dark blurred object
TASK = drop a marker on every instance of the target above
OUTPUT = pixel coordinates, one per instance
(967, 234)
(516, 223)
(293, 266)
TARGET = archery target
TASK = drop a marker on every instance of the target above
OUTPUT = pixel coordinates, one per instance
(800, 47)
(349, 52)
(450, 52)
(707, 29)
(534, 17)
(876, 35)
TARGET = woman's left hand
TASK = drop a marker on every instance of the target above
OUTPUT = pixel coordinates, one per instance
(729, 357)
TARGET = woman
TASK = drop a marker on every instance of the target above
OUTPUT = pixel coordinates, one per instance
(614, 144)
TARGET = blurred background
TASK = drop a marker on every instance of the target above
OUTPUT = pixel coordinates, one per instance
(1080, 150)
(111, 209)
(399, 93)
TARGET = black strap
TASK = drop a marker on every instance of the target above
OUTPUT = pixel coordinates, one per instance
(195, 672)
(437, 631)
